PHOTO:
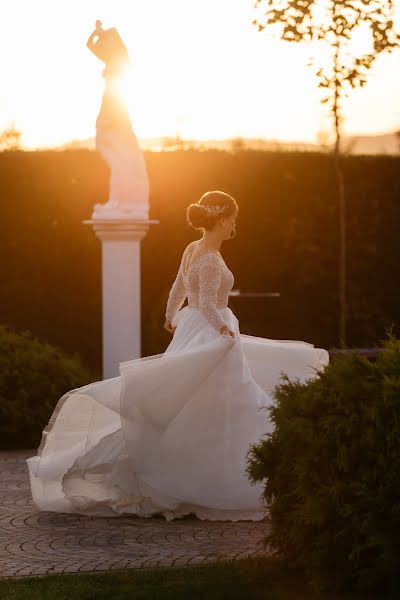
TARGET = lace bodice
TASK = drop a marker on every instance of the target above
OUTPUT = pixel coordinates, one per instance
(206, 283)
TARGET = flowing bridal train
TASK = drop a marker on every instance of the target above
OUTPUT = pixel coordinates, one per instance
(170, 434)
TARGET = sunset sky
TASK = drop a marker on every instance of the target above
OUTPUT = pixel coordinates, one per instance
(200, 70)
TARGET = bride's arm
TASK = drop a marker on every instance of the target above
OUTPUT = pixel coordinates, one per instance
(209, 282)
(176, 295)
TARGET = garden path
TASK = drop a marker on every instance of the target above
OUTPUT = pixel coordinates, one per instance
(33, 542)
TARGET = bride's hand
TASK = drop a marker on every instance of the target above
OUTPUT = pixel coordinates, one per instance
(168, 326)
(226, 331)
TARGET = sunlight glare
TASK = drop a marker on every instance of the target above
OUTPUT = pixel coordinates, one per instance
(200, 71)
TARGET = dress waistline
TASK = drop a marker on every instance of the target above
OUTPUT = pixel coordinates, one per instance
(196, 308)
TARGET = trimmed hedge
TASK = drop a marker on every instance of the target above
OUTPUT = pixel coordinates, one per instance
(33, 377)
(287, 242)
(331, 470)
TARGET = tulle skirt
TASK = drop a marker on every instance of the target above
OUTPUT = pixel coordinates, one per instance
(170, 435)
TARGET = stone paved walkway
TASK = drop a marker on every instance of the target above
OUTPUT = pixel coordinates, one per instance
(37, 543)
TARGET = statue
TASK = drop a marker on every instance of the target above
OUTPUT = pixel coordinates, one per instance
(115, 139)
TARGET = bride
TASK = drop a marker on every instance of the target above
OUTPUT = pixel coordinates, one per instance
(170, 434)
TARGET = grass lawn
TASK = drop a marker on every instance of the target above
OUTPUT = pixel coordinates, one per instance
(244, 579)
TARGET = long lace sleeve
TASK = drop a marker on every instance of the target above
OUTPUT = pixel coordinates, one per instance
(209, 282)
(176, 295)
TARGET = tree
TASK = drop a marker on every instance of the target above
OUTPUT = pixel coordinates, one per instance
(332, 25)
(10, 138)
(397, 134)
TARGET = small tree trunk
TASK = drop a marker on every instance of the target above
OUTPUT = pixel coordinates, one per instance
(342, 276)
(342, 252)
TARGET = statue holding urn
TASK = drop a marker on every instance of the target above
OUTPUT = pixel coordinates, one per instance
(115, 138)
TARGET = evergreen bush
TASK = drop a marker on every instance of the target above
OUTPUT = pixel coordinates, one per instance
(287, 243)
(331, 469)
(33, 376)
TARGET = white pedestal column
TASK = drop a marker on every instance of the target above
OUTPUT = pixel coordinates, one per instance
(120, 240)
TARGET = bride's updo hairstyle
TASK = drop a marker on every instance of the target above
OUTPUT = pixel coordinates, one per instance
(207, 211)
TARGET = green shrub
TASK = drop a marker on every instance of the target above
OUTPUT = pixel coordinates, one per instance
(33, 376)
(331, 470)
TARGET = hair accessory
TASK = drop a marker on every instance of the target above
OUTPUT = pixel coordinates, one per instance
(212, 210)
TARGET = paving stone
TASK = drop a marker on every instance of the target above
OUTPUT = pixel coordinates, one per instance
(34, 542)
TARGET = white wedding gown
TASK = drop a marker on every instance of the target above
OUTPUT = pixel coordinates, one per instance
(170, 435)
